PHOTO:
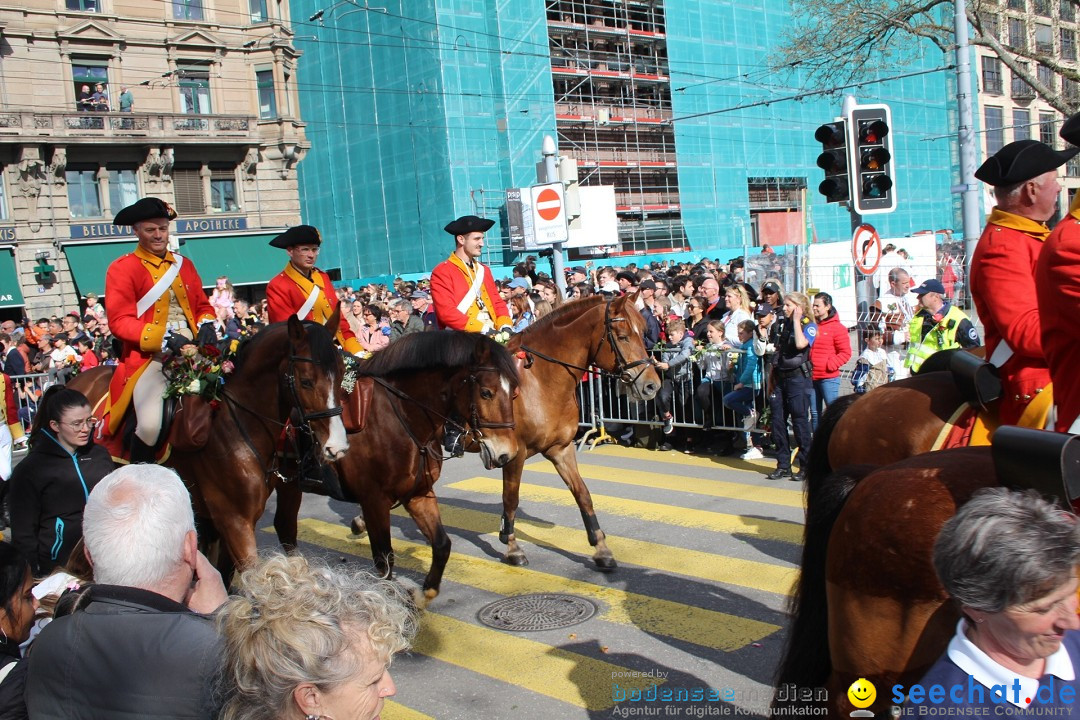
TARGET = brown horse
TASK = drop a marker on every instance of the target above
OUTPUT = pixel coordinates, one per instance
(557, 351)
(868, 602)
(286, 367)
(421, 380)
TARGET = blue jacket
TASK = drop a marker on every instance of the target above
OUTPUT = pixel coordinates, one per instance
(748, 367)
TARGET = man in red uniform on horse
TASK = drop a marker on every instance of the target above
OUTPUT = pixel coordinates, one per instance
(462, 288)
(1057, 282)
(302, 289)
(1024, 177)
(155, 302)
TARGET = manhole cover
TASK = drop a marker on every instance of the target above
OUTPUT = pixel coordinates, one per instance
(543, 611)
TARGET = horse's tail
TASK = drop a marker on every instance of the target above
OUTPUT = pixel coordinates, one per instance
(806, 662)
(817, 464)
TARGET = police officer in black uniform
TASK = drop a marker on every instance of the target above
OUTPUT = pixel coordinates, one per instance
(792, 335)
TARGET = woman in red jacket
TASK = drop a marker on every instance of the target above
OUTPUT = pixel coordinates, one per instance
(828, 354)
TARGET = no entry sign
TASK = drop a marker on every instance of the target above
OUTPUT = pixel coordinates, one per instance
(549, 216)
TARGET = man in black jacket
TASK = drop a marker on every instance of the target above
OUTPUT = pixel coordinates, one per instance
(140, 642)
(13, 359)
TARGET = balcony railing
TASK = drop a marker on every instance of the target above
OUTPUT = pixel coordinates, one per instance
(136, 127)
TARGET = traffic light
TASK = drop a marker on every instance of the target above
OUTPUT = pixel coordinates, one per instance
(834, 161)
(874, 182)
(44, 273)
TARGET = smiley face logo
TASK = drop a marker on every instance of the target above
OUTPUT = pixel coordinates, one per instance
(862, 693)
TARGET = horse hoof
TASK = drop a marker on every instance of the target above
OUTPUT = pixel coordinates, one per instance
(517, 559)
(431, 594)
(358, 526)
(605, 563)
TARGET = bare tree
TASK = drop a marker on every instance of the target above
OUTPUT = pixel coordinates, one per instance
(834, 42)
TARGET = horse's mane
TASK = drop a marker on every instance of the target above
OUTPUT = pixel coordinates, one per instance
(437, 349)
(574, 307)
(320, 343)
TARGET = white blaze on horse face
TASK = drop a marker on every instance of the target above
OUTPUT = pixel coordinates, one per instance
(337, 443)
(505, 384)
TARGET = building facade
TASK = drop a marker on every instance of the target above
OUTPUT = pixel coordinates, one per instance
(106, 101)
(423, 111)
(1009, 107)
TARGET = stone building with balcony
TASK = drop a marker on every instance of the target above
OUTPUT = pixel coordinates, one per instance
(105, 101)
(1009, 108)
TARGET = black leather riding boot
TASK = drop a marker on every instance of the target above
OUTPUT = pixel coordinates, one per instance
(141, 452)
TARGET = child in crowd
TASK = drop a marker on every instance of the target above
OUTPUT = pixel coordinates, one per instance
(748, 381)
(715, 369)
(94, 307)
(872, 367)
(85, 347)
(675, 366)
(222, 299)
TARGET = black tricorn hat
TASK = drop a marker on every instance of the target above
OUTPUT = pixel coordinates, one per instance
(297, 235)
(1021, 160)
(1070, 130)
(149, 208)
(467, 224)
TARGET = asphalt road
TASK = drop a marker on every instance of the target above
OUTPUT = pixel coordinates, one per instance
(694, 613)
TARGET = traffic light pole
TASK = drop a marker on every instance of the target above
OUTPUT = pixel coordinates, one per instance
(968, 189)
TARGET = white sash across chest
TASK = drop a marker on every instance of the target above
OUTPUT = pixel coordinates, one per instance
(474, 290)
(309, 303)
(160, 287)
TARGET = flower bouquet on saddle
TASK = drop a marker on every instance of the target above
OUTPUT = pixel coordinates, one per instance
(195, 382)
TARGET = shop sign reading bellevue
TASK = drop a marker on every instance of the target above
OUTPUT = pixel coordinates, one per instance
(184, 226)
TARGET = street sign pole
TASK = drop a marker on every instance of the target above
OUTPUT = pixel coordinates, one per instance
(549, 173)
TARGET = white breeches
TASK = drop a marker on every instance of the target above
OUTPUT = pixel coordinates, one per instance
(148, 397)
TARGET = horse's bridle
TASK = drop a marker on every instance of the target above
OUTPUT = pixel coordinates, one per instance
(290, 381)
(622, 366)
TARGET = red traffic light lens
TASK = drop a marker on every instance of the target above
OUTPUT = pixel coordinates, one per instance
(873, 132)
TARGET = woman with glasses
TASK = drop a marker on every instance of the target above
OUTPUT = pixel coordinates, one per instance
(697, 322)
(48, 489)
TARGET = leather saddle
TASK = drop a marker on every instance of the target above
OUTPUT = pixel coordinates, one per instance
(1049, 462)
(357, 404)
(977, 380)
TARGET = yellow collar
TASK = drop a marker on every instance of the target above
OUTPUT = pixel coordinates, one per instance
(1037, 230)
(153, 259)
(303, 282)
(1074, 208)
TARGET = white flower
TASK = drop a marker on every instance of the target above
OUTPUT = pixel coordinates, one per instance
(193, 387)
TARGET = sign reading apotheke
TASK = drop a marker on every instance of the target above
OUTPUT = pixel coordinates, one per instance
(184, 226)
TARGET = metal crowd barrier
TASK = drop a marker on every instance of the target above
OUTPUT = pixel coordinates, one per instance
(28, 391)
(603, 403)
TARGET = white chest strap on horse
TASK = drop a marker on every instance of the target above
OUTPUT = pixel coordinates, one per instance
(474, 290)
(309, 303)
(160, 287)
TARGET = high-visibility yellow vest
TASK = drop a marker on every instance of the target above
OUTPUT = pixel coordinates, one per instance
(942, 336)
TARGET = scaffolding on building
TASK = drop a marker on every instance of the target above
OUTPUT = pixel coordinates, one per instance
(612, 89)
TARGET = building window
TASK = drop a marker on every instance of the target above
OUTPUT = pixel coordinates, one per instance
(991, 75)
(1070, 89)
(84, 193)
(1047, 77)
(1067, 10)
(1047, 130)
(1044, 39)
(258, 10)
(1072, 168)
(83, 5)
(223, 189)
(1044, 8)
(1021, 124)
(3, 199)
(1068, 44)
(264, 79)
(194, 89)
(995, 133)
(991, 25)
(1016, 5)
(188, 10)
(1020, 89)
(88, 74)
(123, 188)
(1017, 34)
(187, 189)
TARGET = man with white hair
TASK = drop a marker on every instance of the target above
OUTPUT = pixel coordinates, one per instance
(139, 642)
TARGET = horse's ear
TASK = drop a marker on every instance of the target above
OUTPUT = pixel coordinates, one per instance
(297, 333)
(630, 298)
(334, 320)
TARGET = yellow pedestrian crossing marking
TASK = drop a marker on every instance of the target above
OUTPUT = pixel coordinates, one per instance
(396, 711)
(663, 558)
(561, 674)
(730, 464)
(680, 483)
(708, 628)
(647, 511)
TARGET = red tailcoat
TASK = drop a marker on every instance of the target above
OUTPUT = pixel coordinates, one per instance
(289, 290)
(9, 409)
(450, 281)
(128, 279)
(1003, 288)
(1057, 281)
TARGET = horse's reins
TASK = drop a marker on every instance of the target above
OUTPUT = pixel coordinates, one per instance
(622, 367)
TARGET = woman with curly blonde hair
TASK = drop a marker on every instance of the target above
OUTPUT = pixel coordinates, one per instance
(304, 641)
